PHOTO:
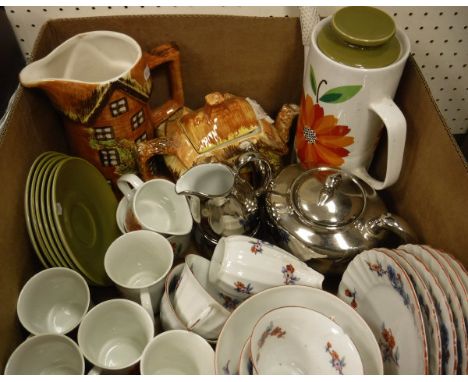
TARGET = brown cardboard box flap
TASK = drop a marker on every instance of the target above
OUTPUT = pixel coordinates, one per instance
(257, 57)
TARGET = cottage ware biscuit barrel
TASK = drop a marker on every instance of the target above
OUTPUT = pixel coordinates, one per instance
(101, 82)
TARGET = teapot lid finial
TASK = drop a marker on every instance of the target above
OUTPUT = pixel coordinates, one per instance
(328, 197)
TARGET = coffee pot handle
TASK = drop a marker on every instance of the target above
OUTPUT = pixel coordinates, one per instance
(167, 54)
(262, 167)
(395, 124)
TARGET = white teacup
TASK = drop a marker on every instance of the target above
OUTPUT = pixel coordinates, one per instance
(177, 352)
(169, 318)
(46, 354)
(113, 335)
(179, 243)
(298, 340)
(194, 300)
(53, 301)
(242, 266)
(155, 206)
(138, 262)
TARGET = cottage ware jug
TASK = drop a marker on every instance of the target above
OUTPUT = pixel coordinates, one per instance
(100, 81)
(352, 71)
(327, 215)
(222, 203)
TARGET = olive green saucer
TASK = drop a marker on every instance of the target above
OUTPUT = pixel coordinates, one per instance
(83, 208)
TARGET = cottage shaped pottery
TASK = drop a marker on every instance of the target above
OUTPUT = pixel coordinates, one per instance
(154, 206)
(239, 325)
(100, 81)
(297, 340)
(53, 301)
(46, 354)
(327, 215)
(352, 71)
(224, 128)
(138, 262)
(113, 335)
(381, 292)
(242, 266)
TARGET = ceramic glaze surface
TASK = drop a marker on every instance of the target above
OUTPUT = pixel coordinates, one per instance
(53, 301)
(46, 354)
(242, 266)
(428, 310)
(442, 275)
(239, 325)
(342, 110)
(448, 335)
(177, 352)
(296, 340)
(383, 295)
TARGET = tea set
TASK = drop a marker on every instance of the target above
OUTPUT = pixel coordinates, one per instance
(219, 267)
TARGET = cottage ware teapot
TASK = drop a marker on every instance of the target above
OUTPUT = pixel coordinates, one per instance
(100, 81)
(327, 216)
(225, 127)
(222, 203)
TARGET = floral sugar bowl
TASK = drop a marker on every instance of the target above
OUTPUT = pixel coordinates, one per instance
(328, 216)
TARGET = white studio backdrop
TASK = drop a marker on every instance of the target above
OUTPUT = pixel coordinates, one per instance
(439, 40)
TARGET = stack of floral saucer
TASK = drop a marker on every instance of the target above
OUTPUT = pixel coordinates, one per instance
(414, 299)
(70, 214)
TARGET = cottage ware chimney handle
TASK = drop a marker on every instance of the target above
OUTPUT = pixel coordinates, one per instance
(167, 54)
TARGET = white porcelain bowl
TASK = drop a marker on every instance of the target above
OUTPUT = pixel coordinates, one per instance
(297, 340)
(239, 325)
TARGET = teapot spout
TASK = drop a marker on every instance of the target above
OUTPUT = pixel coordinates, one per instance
(394, 224)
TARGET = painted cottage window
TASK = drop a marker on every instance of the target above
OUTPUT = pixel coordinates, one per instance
(109, 157)
(104, 133)
(119, 107)
(138, 119)
(141, 138)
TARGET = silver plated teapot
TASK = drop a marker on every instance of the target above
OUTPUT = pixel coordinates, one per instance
(326, 216)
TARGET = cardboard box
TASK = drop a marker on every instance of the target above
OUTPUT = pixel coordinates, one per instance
(257, 57)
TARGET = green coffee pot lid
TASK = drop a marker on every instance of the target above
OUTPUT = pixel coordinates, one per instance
(362, 37)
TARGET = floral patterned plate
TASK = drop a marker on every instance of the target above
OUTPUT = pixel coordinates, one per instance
(448, 335)
(240, 323)
(436, 267)
(462, 297)
(382, 293)
(428, 309)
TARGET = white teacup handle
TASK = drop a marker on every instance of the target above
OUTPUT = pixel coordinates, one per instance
(202, 317)
(95, 371)
(127, 183)
(145, 299)
(395, 123)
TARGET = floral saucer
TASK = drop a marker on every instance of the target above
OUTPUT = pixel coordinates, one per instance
(245, 361)
(448, 335)
(440, 272)
(381, 292)
(428, 309)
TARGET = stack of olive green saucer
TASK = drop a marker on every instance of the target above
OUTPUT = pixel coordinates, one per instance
(70, 214)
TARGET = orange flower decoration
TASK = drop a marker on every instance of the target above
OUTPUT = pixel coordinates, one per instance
(319, 140)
